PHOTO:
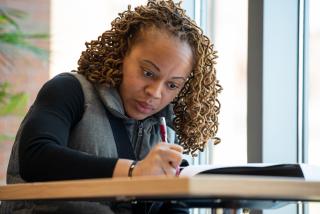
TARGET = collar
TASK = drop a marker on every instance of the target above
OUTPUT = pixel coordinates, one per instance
(111, 99)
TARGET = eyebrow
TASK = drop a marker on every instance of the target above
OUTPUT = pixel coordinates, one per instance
(158, 69)
(151, 63)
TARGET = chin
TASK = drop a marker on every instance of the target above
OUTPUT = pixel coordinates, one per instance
(137, 116)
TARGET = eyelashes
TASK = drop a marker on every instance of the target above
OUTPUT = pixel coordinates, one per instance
(170, 85)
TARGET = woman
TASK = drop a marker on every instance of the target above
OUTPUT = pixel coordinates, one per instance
(103, 120)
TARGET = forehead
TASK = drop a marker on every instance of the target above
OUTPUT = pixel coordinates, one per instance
(152, 35)
(163, 49)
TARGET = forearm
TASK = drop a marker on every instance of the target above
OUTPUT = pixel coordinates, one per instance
(52, 162)
(121, 168)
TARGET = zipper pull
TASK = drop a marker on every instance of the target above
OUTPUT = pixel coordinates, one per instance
(140, 130)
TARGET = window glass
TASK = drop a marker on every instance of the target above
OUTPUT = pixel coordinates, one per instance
(227, 27)
(314, 89)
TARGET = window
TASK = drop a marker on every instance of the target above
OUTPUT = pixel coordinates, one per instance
(313, 103)
(314, 88)
(228, 27)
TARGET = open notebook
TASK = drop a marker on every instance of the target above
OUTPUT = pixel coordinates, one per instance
(305, 171)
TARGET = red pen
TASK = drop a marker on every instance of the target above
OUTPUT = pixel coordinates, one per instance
(163, 129)
(163, 133)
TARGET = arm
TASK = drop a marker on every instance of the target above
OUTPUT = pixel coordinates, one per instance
(161, 160)
(43, 150)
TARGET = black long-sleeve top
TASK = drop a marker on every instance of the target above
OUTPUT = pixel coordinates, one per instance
(43, 151)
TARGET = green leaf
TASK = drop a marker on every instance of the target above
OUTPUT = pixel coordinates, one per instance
(4, 138)
(14, 38)
(16, 104)
(3, 91)
(12, 103)
(11, 35)
(20, 41)
(9, 14)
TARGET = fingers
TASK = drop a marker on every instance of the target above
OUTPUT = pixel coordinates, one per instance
(176, 147)
(161, 160)
(171, 157)
(168, 169)
(169, 152)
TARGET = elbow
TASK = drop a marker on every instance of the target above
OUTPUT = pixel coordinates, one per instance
(25, 169)
(28, 165)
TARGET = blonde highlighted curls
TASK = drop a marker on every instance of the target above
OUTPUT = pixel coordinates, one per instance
(196, 107)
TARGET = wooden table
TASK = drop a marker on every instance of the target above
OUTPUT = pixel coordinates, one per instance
(198, 191)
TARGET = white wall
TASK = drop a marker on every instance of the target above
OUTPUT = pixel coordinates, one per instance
(74, 22)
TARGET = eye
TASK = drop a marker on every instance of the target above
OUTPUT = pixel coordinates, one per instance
(172, 85)
(147, 73)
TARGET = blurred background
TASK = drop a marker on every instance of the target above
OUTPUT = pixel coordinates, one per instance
(39, 39)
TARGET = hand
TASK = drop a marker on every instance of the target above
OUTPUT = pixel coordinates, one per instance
(161, 160)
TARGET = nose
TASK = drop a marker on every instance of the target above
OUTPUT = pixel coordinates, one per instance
(154, 90)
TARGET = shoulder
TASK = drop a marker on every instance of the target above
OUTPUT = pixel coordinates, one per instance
(63, 81)
(63, 88)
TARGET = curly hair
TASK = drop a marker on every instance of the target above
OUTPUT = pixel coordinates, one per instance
(196, 107)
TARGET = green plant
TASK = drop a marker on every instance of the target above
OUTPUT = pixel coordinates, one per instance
(13, 38)
(12, 103)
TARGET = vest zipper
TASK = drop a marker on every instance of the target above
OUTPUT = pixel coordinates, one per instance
(138, 139)
(140, 129)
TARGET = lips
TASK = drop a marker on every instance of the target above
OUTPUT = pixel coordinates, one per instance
(144, 107)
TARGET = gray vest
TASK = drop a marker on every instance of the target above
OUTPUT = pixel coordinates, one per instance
(92, 135)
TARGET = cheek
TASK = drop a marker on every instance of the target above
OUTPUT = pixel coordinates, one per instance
(175, 94)
(126, 87)
(132, 84)
(125, 83)
(169, 97)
